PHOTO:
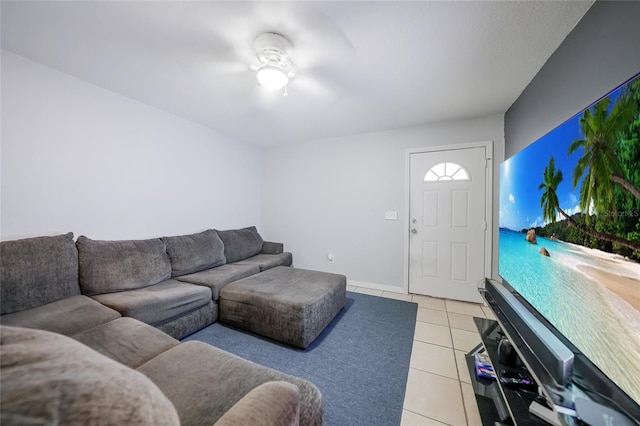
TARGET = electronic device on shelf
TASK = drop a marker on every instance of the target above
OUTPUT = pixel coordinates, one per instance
(507, 355)
(518, 379)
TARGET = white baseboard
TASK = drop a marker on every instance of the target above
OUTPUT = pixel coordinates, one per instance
(374, 286)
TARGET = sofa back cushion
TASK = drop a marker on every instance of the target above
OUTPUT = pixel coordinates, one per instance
(240, 244)
(37, 271)
(195, 252)
(110, 266)
(48, 378)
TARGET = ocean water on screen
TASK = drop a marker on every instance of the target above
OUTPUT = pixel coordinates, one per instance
(604, 326)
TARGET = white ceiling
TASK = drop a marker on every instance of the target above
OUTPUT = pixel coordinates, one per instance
(361, 66)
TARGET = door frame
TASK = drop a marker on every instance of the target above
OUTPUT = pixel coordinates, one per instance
(488, 232)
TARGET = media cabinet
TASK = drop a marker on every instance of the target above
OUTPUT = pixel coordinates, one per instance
(499, 403)
(563, 378)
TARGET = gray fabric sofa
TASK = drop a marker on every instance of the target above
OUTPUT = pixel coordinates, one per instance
(133, 277)
(201, 381)
(95, 378)
(172, 283)
(123, 301)
(239, 253)
(40, 287)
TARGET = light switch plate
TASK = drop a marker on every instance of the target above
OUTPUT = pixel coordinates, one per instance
(391, 215)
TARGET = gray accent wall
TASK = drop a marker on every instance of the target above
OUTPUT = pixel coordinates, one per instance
(601, 53)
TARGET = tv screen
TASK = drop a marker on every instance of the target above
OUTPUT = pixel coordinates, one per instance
(569, 240)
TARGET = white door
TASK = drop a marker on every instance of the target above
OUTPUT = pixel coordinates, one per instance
(447, 222)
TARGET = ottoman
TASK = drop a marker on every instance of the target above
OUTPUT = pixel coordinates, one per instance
(286, 304)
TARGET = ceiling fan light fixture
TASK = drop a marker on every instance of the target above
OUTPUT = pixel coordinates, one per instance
(272, 78)
(275, 69)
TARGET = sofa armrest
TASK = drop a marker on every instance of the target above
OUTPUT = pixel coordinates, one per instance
(269, 247)
(271, 403)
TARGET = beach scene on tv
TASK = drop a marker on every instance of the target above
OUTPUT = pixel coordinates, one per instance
(569, 239)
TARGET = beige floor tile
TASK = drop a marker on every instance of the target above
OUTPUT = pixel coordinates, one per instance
(432, 333)
(470, 405)
(488, 312)
(368, 291)
(463, 370)
(397, 296)
(429, 302)
(412, 419)
(434, 359)
(351, 288)
(464, 308)
(464, 340)
(433, 316)
(463, 322)
(434, 396)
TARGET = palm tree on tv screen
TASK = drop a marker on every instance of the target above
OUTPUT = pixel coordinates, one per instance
(599, 163)
(608, 176)
(549, 203)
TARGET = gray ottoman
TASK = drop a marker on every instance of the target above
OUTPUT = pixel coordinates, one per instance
(287, 304)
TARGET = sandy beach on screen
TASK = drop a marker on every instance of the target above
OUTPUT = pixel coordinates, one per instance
(625, 287)
(624, 282)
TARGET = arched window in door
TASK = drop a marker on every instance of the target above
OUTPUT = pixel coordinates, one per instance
(447, 172)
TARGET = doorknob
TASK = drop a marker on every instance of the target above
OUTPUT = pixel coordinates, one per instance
(414, 231)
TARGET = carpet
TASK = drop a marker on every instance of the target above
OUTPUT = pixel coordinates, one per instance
(360, 362)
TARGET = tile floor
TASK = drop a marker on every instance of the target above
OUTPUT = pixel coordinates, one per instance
(439, 389)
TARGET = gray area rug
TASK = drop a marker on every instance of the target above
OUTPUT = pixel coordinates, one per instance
(360, 361)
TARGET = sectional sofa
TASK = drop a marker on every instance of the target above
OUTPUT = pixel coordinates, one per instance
(172, 283)
(124, 304)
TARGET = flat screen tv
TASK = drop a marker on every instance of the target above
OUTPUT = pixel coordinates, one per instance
(569, 241)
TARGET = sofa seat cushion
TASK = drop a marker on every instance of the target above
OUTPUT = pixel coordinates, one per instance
(271, 403)
(204, 382)
(220, 276)
(112, 266)
(191, 322)
(50, 379)
(195, 252)
(127, 340)
(37, 271)
(268, 261)
(67, 316)
(240, 243)
(157, 303)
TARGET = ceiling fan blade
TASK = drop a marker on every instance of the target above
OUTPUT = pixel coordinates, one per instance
(227, 67)
(313, 89)
(315, 37)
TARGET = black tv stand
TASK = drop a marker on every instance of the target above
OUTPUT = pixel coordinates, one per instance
(573, 390)
(499, 403)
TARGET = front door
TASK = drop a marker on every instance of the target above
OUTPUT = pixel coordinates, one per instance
(447, 222)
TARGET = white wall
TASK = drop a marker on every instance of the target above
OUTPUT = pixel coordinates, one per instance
(76, 157)
(330, 196)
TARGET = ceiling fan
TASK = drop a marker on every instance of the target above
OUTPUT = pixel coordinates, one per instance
(275, 68)
(289, 46)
